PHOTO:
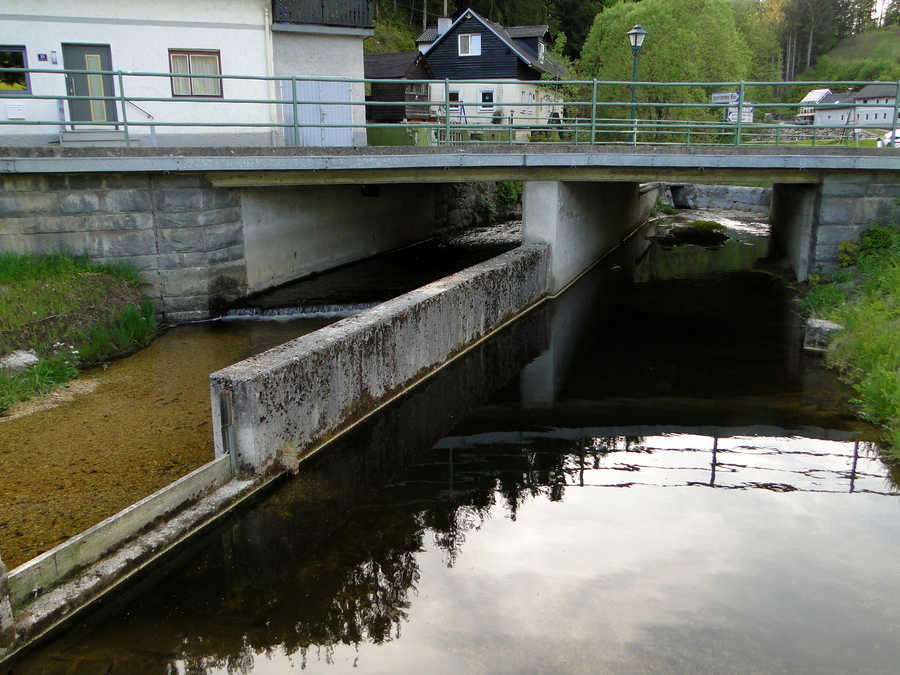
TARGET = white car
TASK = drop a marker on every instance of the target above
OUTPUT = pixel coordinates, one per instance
(885, 141)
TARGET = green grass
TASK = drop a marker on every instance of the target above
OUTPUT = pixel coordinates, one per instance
(72, 313)
(876, 44)
(708, 225)
(865, 299)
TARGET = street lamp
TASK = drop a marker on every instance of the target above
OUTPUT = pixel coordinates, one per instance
(636, 39)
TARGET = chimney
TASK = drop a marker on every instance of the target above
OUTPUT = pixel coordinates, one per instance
(444, 24)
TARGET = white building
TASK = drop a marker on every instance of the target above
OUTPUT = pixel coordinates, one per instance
(881, 115)
(289, 38)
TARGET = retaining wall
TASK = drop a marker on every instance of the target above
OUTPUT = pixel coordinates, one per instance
(278, 406)
(732, 197)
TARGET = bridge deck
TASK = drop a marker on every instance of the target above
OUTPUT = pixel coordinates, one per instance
(235, 167)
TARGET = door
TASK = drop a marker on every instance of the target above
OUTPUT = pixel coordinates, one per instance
(315, 111)
(89, 57)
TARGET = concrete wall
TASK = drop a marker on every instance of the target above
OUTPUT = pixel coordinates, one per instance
(581, 221)
(185, 236)
(281, 404)
(292, 232)
(734, 197)
(848, 204)
(7, 628)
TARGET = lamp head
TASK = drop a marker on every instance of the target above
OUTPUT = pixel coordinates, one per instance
(636, 37)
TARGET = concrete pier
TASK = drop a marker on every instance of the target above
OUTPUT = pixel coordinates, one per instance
(581, 221)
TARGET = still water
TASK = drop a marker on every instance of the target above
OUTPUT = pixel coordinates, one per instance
(635, 478)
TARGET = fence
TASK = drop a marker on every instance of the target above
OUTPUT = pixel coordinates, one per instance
(324, 111)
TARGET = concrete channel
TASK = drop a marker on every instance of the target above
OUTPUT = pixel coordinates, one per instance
(274, 410)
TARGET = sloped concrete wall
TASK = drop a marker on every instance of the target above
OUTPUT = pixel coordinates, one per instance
(277, 406)
(7, 627)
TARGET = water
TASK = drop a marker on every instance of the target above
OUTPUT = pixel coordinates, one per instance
(634, 478)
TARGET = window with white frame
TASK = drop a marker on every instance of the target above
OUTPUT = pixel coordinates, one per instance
(487, 99)
(470, 44)
(195, 62)
(454, 101)
(541, 52)
(13, 84)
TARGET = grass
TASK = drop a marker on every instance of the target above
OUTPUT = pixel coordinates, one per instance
(878, 44)
(708, 225)
(72, 313)
(864, 298)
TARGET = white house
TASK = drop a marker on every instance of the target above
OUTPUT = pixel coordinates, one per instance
(880, 116)
(841, 115)
(284, 38)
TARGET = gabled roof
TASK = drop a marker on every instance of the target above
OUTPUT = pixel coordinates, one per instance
(504, 35)
(429, 35)
(390, 66)
(519, 32)
(877, 91)
(815, 96)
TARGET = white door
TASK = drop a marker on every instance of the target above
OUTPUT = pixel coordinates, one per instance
(323, 103)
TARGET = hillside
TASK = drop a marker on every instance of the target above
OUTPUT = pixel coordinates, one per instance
(878, 44)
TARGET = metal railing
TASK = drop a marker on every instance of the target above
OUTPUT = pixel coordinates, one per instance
(292, 109)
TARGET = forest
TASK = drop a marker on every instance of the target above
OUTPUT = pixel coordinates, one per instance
(728, 39)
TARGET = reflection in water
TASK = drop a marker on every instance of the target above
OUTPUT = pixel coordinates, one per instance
(639, 479)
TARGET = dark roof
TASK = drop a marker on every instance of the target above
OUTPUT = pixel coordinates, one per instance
(877, 91)
(527, 31)
(390, 66)
(548, 65)
(429, 35)
(839, 97)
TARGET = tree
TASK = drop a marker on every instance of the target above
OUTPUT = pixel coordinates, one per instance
(707, 48)
(892, 14)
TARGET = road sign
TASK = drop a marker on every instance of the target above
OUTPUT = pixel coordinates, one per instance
(746, 114)
(723, 97)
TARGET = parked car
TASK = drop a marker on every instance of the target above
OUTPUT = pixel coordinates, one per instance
(885, 140)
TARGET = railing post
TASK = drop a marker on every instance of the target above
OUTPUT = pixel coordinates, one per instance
(777, 135)
(447, 110)
(124, 113)
(594, 113)
(294, 108)
(740, 115)
(894, 143)
(815, 128)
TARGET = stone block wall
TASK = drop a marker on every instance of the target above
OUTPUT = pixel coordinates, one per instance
(849, 204)
(185, 236)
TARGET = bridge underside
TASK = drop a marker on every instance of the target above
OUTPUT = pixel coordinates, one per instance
(209, 225)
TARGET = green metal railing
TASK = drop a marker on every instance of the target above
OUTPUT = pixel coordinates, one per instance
(574, 111)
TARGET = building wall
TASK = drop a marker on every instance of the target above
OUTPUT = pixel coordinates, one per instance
(140, 36)
(320, 55)
(508, 96)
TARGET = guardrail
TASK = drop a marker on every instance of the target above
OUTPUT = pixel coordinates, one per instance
(431, 112)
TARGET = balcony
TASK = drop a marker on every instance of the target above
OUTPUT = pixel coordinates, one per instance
(343, 13)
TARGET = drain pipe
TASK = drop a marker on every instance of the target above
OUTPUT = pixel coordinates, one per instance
(7, 627)
(270, 72)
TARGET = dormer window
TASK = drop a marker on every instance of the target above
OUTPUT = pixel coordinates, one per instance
(470, 44)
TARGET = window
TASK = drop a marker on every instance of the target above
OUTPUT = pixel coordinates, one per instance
(12, 84)
(541, 52)
(470, 44)
(487, 99)
(195, 63)
(454, 101)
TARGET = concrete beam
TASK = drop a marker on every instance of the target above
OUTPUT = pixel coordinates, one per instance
(580, 221)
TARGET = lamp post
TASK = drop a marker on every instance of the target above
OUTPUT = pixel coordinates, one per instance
(636, 39)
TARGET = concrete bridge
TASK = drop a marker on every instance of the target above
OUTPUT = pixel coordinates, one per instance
(210, 225)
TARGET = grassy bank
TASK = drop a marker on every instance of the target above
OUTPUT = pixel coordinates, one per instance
(864, 297)
(71, 313)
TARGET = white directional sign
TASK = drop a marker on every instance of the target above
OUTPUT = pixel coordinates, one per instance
(723, 97)
(746, 114)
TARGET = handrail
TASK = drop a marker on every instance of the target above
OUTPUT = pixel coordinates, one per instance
(579, 111)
